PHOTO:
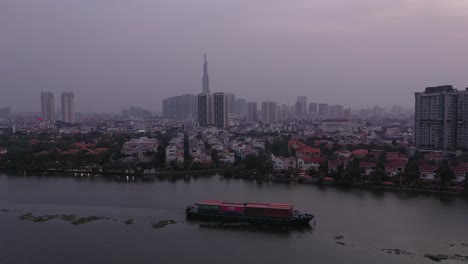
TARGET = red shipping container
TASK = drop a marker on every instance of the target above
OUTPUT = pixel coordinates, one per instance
(232, 207)
(280, 210)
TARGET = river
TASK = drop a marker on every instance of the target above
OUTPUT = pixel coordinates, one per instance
(368, 220)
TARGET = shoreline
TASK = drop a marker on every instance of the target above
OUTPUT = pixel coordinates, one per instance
(220, 171)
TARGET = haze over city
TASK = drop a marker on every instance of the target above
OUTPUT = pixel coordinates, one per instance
(113, 54)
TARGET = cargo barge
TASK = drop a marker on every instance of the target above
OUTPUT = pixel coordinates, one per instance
(258, 213)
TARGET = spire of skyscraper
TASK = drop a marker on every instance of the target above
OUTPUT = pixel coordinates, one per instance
(205, 79)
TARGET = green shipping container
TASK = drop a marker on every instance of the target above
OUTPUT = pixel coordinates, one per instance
(208, 207)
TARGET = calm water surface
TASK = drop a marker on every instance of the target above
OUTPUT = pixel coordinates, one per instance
(368, 220)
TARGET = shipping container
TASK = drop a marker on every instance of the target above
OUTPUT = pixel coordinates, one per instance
(229, 207)
(280, 210)
(257, 210)
(209, 205)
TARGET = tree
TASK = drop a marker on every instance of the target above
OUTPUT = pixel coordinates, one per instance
(445, 174)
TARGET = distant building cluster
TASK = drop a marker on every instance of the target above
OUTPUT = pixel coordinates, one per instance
(224, 109)
(135, 111)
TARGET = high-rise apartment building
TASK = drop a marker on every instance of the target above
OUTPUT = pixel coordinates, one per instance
(181, 107)
(47, 106)
(231, 102)
(220, 110)
(5, 112)
(323, 110)
(313, 109)
(204, 110)
(68, 107)
(441, 118)
(283, 113)
(301, 106)
(268, 112)
(335, 111)
(252, 114)
(240, 106)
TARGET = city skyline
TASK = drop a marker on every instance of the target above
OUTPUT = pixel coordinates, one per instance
(376, 50)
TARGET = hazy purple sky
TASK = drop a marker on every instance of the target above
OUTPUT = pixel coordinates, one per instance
(116, 53)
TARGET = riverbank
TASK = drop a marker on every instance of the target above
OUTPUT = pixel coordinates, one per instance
(233, 173)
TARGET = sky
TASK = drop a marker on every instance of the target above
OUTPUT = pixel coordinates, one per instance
(117, 53)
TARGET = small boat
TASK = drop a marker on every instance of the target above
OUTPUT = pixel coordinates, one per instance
(258, 213)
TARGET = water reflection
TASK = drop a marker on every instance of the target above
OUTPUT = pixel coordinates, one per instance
(262, 230)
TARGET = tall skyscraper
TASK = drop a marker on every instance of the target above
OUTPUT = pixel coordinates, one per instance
(283, 113)
(231, 101)
(301, 106)
(335, 111)
(313, 109)
(441, 118)
(220, 110)
(203, 109)
(68, 107)
(268, 112)
(205, 78)
(252, 115)
(323, 110)
(47, 106)
(240, 105)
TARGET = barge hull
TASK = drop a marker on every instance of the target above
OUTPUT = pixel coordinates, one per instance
(256, 220)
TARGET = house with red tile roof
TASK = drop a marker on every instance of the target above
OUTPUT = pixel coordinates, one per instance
(434, 156)
(295, 144)
(368, 167)
(427, 172)
(343, 153)
(360, 153)
(335, 165)
(307, 151)
(460, 174)
(395, 166)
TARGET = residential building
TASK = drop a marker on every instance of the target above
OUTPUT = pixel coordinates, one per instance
(68, 107)
(139, 146)
(268, 112)
(441, 118)
(240, 107)
(301, 106)
(313, 110)
(252, 115)
(231, 98)
(204, 109)
(323, 110)
(335, 111)
(47, 106)
(5, 112)
(220, 110)
(180, 107)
